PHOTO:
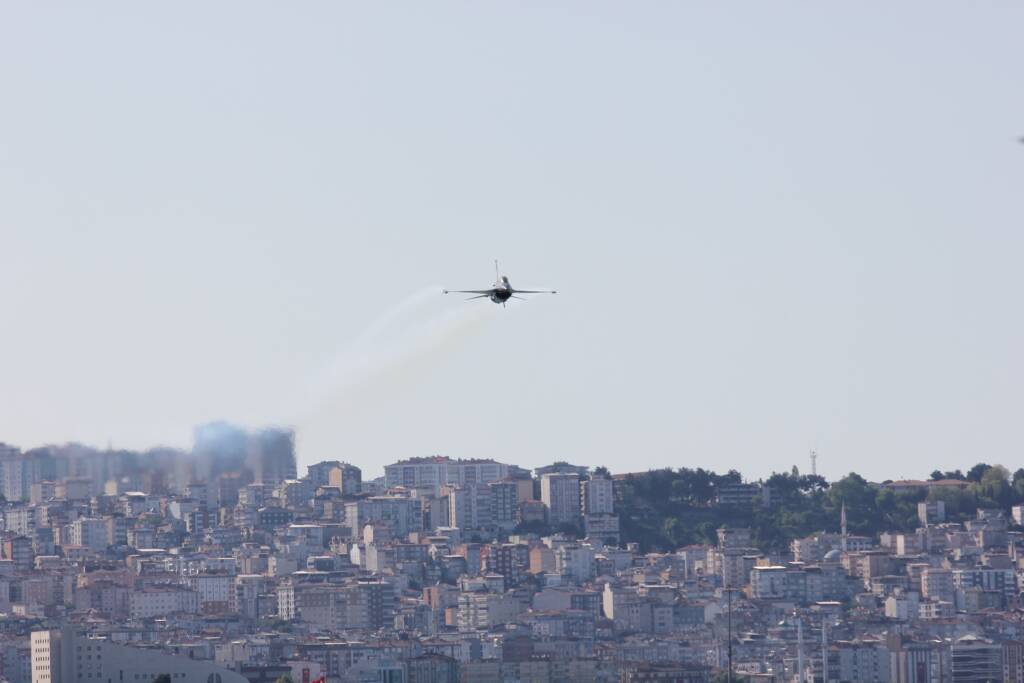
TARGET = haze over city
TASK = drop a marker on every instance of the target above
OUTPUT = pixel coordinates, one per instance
(774, 228)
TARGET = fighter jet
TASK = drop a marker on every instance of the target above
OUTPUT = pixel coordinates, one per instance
(501, 292)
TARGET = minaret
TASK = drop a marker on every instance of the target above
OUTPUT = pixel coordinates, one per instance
(824, 651)
(842, 525)
(800, 650)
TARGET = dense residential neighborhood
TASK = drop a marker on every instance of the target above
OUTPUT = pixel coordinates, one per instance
(223, 565)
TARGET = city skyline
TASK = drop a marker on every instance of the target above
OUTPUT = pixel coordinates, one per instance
(228, 565)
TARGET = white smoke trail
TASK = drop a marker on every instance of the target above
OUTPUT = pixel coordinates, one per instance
(393, 347)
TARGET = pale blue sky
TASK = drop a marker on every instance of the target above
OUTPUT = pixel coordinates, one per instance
(775, 226)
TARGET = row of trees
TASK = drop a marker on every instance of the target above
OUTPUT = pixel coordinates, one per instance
(665, 509)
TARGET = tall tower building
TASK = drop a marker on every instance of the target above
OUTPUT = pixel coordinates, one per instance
(218, 447)
(598, 494)
(561, 493)
(272, 456)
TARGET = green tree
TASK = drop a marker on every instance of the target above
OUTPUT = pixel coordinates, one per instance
(284, 679)
(976, 472)
(960, 503)
(993, 488)
(1017, 484)
(897, 511)
(853, 489)
(675, 532)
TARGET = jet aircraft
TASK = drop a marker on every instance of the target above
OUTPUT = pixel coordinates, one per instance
(501, 292)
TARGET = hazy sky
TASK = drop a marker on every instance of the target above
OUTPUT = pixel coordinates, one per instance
(774, 226)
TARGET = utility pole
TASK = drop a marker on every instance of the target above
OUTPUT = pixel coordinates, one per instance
(728, 594)
(824, 650)
(728, 598)
(800, 650)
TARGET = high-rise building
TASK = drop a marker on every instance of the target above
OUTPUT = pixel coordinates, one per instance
(504, 497)
(976, 660)
(219, 447)
(469, 506)
(598, 495)
(561, 494)
(272, 456)
(20, 471)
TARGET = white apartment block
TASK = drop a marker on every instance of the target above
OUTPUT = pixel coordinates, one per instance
(470, 507)
(561, 493)
(440, 471)
(598, 494)
(157, 602)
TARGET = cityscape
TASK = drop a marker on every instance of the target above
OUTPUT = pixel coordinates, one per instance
(511, 342)
(221, 564)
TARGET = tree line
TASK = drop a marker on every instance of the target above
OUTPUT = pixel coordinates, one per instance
(666, 509)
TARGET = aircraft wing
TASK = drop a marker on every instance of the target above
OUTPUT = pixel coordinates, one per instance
(468, 291)
(535, 291)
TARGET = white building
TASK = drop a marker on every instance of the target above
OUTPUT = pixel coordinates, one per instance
(768, 583)
(438, 471)
(602, 527)
(162, 601)
(504, 497)
(15, 480)
(480, 610)
(66, 657)
(401, 515)
(561, 493)
(905, 607)
(598, 495)
(931, 512)
(215, 591)
(469, 506)
(1017, 511)
(575, 561)
(861, 662)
